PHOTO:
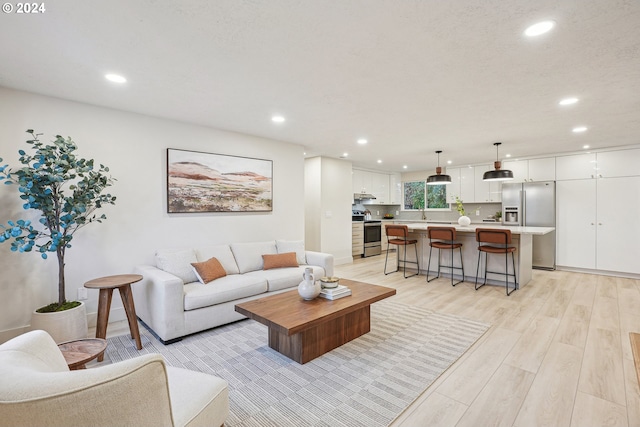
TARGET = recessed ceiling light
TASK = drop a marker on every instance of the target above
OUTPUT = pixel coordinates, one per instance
(345, 154)
(579, 129)
(116, 78)
(362, 141)
(405, 166)
(568, 101)
(277, 119)
(508, 155)
(585, 146)
(539, 28)
(379, 161)
(449, 162)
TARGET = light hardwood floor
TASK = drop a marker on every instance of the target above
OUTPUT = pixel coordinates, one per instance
(557, 353)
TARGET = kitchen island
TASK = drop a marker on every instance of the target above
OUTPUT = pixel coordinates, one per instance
(522, 240)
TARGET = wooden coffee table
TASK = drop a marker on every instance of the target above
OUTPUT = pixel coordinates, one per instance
(78, 352)
(303, 330)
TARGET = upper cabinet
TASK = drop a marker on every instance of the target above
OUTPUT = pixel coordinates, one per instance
(380, 187)
(462, 184)
(386, 188)
(542, 169)
(608, 164)
(577, 166)
(520, 169)
(486, 191)
(532, 170)
(467, 184)
(618, 163)
(395, 189)
(453, 189)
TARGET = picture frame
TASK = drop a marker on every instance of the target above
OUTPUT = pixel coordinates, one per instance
(206, 182)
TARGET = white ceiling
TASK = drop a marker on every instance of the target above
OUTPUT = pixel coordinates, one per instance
(411, 76)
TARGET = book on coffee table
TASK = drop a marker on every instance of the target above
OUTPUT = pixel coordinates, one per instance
(334, 293)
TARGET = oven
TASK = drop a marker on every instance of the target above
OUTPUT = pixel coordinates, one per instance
(372, 238)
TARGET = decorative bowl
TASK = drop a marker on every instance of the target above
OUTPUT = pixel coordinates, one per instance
(329, 282)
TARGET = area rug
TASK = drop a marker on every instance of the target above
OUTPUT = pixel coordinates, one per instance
(366, 382)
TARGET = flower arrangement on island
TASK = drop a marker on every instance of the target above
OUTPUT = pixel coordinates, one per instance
(459, 206)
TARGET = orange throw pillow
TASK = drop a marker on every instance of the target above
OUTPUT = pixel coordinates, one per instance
(209, 270)
(287, 259)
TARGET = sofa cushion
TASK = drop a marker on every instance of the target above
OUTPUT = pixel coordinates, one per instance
(178, 263)
(222, 253)
(249, 255)
(296, 246)
(228, 288)
(287, 259)
(209, 270)
(283, 278)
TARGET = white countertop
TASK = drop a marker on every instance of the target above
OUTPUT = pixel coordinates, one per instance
(537, 231)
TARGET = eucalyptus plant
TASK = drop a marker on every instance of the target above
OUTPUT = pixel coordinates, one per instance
(66, 189)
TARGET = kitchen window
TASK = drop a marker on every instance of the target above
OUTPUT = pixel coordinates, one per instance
(417, 192)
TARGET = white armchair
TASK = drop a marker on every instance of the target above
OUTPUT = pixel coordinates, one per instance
(37, 388)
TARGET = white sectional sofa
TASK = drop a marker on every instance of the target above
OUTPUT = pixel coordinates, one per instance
(173, 303)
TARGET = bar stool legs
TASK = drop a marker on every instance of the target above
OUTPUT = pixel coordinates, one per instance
(502, 238)
(506, 273)
(461, 268)
(399, 235)
(444, 238)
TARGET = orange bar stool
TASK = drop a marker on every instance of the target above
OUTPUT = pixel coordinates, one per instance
(444, 238)
(498, 243)
(399, 235)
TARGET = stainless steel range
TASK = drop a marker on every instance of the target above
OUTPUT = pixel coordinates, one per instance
(372, 238)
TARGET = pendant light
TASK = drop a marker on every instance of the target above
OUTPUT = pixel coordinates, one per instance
(497, 174)
(438, 178)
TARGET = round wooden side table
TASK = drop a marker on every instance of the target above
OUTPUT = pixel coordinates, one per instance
(78, 352)
(107, 284)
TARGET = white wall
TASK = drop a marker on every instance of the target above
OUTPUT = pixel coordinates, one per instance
(328, 222)
(134, 147)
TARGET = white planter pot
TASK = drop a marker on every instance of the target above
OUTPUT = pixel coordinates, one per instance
(464, 221)
(62, 325)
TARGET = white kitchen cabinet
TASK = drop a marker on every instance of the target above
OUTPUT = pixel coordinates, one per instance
(380, 188)
(618, 163)
(395, 189)
(542, 169)
(453, 189)
(618, 229)
(576, 223)
(578, 166)
(520, 169)
(361, 181)
(467, 184)
(596, 224)
(486, 191)
(532, 170)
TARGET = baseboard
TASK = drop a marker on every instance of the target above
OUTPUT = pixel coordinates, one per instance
(598, 272)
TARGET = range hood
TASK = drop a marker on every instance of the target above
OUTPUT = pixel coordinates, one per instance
(363, 196)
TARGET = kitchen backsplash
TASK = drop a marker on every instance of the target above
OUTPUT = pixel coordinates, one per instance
(485, 210)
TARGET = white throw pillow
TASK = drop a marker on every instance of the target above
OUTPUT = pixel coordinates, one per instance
(222, 253)
(296, 246)
(178, 263)
(249, 255)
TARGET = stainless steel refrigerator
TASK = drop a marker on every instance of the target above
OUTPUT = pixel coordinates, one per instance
(533, 204)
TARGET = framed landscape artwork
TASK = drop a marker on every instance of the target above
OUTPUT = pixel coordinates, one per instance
(205, 182)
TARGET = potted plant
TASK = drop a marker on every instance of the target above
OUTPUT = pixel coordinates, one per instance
(463, 220)
(67, 190)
